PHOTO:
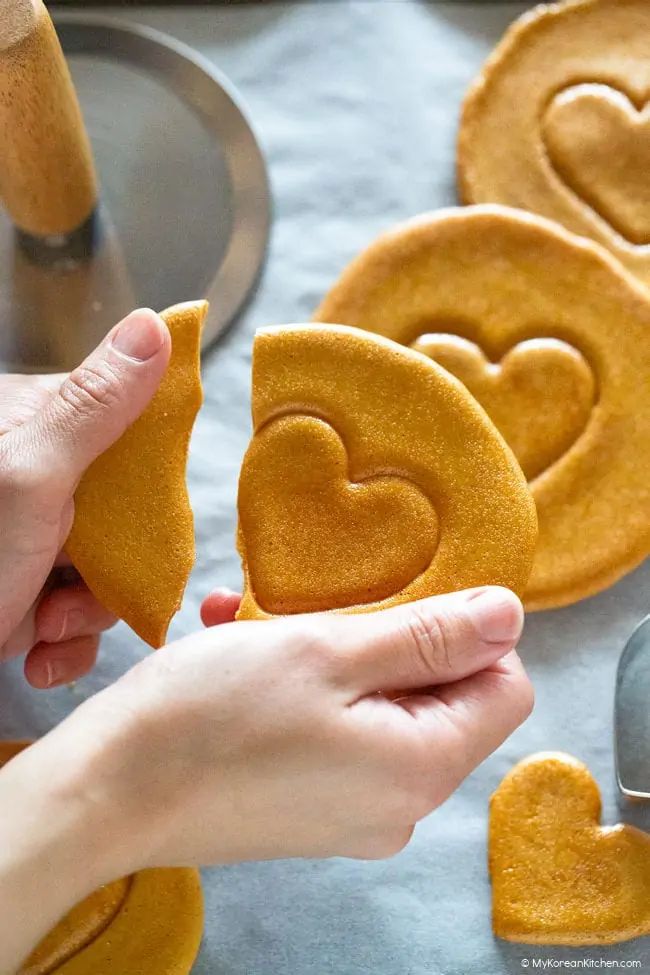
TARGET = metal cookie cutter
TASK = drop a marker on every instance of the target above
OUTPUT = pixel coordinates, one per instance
(632, 715)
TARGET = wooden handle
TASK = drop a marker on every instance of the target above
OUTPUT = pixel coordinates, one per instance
(47, 176)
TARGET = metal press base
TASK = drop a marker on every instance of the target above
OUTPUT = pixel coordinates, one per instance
(185, 203)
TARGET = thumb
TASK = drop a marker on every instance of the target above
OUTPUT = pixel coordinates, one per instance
(431, 642)
(101, 398)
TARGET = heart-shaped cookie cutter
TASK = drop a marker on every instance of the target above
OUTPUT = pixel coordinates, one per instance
(632, 715)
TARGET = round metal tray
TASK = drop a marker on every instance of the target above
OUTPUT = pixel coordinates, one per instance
(185, 205)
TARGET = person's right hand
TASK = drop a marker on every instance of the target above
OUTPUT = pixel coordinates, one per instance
(256, 740)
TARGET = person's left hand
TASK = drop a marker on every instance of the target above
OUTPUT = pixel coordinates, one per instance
(51, 429)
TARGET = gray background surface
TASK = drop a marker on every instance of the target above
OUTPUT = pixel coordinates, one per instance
(356, 107)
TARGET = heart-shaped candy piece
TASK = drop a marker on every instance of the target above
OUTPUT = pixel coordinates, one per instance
(373, 478)
(540, 394)
(599, 142)
(558, 877)
(379, 533)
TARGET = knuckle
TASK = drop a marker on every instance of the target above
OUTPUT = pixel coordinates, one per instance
(89, 388)
(419, 801)
(387, 845)
(313, 647)
(409, 786)
(431, 638)
(524, 698)
(422, 792)
(398, 841)
(20, 475)
(332, 660)
(517, 696)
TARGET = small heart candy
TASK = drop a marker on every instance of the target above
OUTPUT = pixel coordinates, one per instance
(558, 877)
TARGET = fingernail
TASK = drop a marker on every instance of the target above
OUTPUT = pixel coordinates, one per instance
(497, 615)
(139, 336)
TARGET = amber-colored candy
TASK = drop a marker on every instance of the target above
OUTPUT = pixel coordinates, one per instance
(47, 176)
(373, 478)
(150, 922)
(511, 391)
(558, 877)
(550, 334)
(558, 123)
(133, 535)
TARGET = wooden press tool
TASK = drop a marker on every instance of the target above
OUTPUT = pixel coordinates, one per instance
(47, 177)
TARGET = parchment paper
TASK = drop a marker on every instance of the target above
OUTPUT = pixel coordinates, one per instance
(356, 106)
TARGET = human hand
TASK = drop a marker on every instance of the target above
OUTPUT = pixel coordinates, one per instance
(306, 736)
(220, 606)
(51, 429)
